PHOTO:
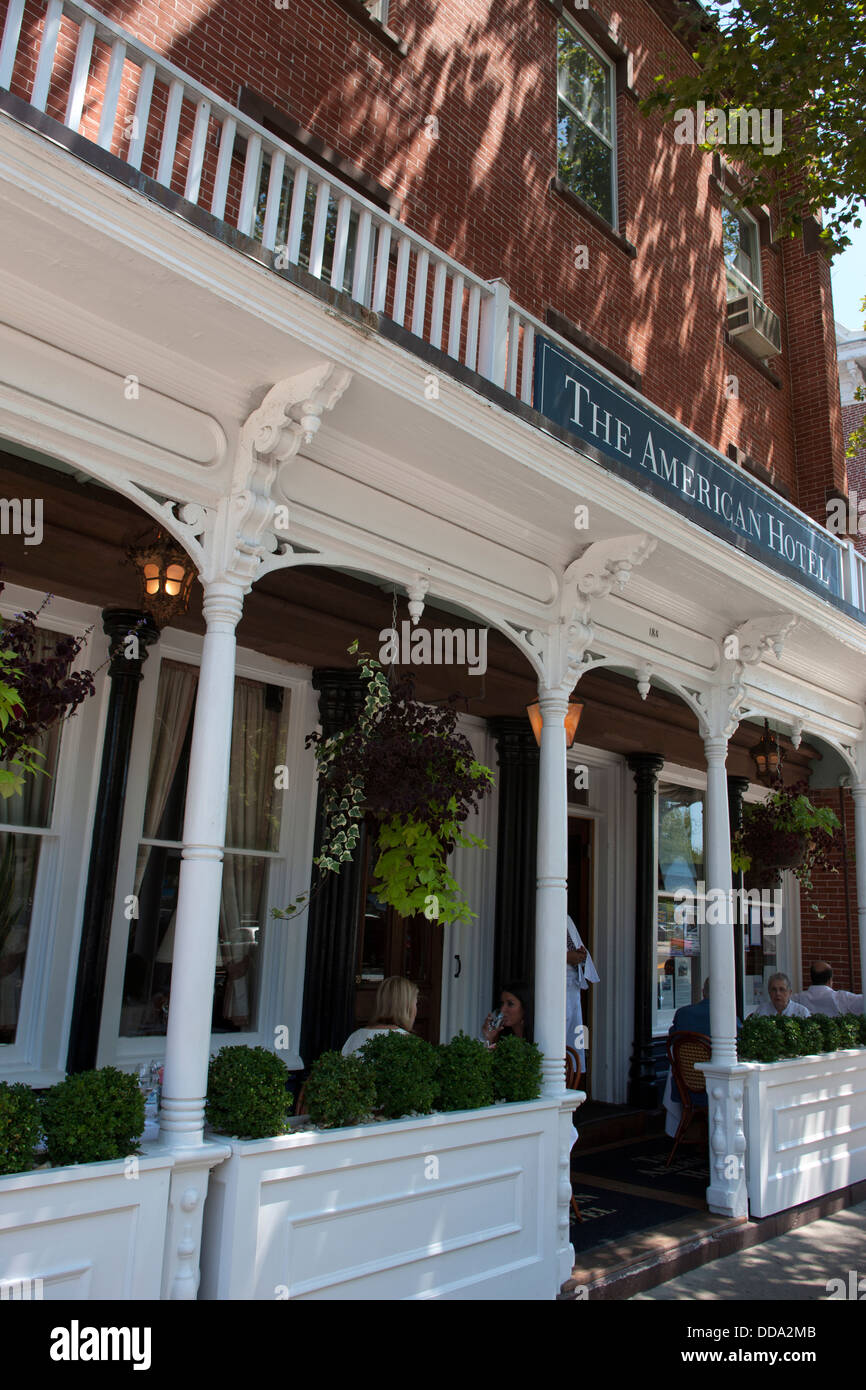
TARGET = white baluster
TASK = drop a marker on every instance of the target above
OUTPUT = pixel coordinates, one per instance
(438, 310)
(362, 257)
(228, 135)
(472, 326)
(80, 72)
(513, 342)
(196, 153)
(11, 35)
(47, 50)
(320, 227)
(275, 193)
(456, 319)
(493, 342)
(112, 94)
(250, 188)
(296, 216)
(341, 242)
(402, 279)
(142, 114)
(168, 144)
(383, 265)
(419, 303)
(528, 365)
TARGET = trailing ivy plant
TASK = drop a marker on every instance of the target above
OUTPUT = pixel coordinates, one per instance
(788, 831)
(406, 769)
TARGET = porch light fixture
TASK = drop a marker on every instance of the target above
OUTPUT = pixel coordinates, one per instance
(165, 573)
(572, 719)
(767, 756)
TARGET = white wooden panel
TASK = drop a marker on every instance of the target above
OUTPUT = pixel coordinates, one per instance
(224, 165)
(196, 153)
(47, 52)
(419, 302)
(383, 263)
(111, 95)
(401, 279)
(296, 216)
(360, 277)
(80, 72)
(341, 242)
(455, 323)
(272, 209)
(142, 114)
(250, 188)
(168, 143)
(320, 227)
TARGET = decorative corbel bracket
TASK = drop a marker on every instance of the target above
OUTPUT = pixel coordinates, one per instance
(719, 709)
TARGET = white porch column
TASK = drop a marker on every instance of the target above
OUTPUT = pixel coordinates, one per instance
(858, 791)
(551, 902)
(187, 1046)
(726, 1194)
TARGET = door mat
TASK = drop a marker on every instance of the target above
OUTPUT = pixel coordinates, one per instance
(611, 1216)
(641, 1162)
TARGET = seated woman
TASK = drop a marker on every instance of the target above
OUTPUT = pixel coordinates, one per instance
(513, 1017)
(394, 1011)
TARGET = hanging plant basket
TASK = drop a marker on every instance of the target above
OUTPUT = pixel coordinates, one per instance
(406, 772)
(786, 831)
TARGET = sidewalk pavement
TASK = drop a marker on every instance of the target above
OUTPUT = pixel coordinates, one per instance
(796, 1267)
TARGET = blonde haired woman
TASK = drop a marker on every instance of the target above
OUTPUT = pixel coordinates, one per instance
(395, 1010)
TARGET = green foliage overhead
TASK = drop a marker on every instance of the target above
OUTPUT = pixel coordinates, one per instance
(20, 1127)
(246, 1093)
(805, 59)
(516, 1070)
(404, 1073)
(465, 1074)
(339, 1091)
(93, 1116)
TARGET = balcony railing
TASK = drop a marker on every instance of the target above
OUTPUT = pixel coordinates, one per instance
(101, 82)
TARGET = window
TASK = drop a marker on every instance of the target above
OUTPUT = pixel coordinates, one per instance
(253, 826)
(25, 823)
(680, 966)
(585, 122)
(378, 10)
(741, 247)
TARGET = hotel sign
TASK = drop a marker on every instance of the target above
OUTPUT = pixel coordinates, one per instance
(638, 443)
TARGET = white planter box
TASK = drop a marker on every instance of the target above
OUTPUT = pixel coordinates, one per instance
(460, 1205)
(805, 1124)
(89, 1231)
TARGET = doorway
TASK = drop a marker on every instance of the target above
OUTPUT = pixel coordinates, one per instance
(389, 944)
(581, 910)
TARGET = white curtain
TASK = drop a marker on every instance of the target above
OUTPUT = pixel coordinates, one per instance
(174, 707)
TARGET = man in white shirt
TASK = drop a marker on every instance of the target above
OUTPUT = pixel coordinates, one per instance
(821, 998)
(780, 1001)
(579, 974)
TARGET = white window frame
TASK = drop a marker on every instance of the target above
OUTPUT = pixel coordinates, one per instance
(38, 1055)
(284, 948)
(610, 67)
(731, 272)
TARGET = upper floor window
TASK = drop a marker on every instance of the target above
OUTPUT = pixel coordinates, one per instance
(742, 250)
(378, 10)
(586, 122)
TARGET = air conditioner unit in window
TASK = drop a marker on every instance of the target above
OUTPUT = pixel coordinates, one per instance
(754, 325)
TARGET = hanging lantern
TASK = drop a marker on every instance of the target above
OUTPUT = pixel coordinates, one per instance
(572, 719)
(767, 756)
(166, 575)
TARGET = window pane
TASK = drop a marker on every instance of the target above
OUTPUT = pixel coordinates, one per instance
(584, 81)
(19, 858)
(739, 243)
(259, 731)
(34, 803)
(680, 940)
(147, 983)
(585, 163)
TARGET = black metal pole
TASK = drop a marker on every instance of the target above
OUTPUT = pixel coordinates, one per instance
(643, 1087)
(125, 674)
(516, 852)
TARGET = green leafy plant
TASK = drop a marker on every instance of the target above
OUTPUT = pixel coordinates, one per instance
(93, 1116)
(246, 1093)
(20, 1127)
(786, 831)
(465, 1074)
(339, 1091)
(777, 1039)
(404, 1071)
(404, 767)
(516, 1070)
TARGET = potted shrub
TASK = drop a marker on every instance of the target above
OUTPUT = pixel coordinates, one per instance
(93, 1116)
(403, 1068)
(247, 1094)
(20, 1127)
(465, 1074)
(339, 1091)
(516, 1070)
(406, 769)
(786, 831)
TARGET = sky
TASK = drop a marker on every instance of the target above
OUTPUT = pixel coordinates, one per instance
(848, 276)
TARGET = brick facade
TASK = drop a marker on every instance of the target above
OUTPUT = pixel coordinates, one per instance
(834, 937)
(481, 189)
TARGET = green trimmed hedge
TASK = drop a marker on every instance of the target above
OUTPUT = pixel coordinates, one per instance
(247, 1094)
(93, 1116)
(404, 1069)
(20, 1127)
(465, 1074)
(516, 1070)
(776, 1039)
(339, 1091)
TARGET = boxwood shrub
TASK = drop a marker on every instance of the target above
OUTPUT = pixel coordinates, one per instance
(20, 1127)
(776, 1039)
(339, 1091)
(516, 1069)
(404, 1071)
(247, 1094)
(93, 1116)
(465, 1074)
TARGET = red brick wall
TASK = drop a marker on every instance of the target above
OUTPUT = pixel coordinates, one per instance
(486, 69)
(827, 938)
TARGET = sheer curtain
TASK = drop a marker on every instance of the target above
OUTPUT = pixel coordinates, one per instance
(175, 704)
